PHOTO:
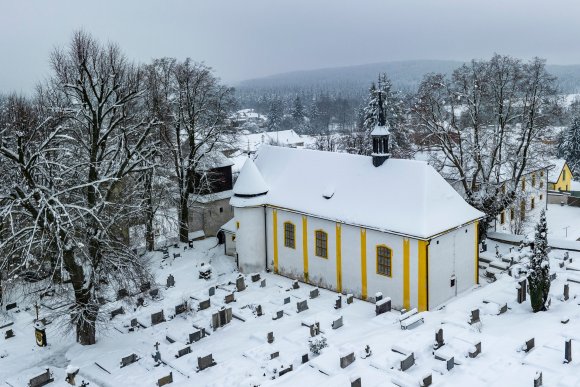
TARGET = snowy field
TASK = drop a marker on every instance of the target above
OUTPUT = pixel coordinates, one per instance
(559, 218)
(244, 357)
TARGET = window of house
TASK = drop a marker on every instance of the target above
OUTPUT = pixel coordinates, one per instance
(502, 217)
(523, 210)
(289, 235)
(237, 225)
(541, 173)
(221, 209)
(533, 203)
(541, 183)
(534, 180)
(512, 214)
(523, 183)
(564, 174)
(384, 261)
(321, 244)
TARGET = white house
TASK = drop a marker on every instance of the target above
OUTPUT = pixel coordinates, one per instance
(356, 224)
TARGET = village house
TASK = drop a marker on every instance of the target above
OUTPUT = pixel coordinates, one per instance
(347, 223)
(560, 177)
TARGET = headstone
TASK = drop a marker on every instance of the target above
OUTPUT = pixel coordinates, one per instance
(449, 361)
(427, 380)
(259, 310)
(190, 244)
(117, 312)
(566, 291)
(568, 351)
(255, 277)
(356, 382)
(212, 291)
(378, 296)
(279, 314)
(286, 300)
(439, 342)
(284, 371)
(338, 302)
(204, 304)
(270, 337)
(529, 345)
(145, 287)
(274, 355)
(229, 298)
(165, 380)
(263, 283)
(183, 352)
(502, 309)
(154, 293)
(349, 299)
(40, 334)
(205, 272)
(295, 284)
(337, 323)
(221, 318)
(170, 281)
(305, 358)
(347, 360)
(157, 318)
(196, 336)
(314, 293)
(134, 323)
(315, 329)
(42, 379)
(70, 377)
(474, 318)
(383, 306)
(538, 382)
(240, 284)
(181, 308)
(476, 350)
(176, 255)
(301, 306)
(205, 362)
(407, 362)
(522, 291)
(132, 358)
(122, 293)
(8, 334)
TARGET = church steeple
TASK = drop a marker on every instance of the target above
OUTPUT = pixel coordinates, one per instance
(380, 134)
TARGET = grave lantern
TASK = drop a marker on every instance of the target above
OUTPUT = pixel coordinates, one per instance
(40, 334)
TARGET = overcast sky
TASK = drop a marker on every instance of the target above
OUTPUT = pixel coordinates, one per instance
(244, 39)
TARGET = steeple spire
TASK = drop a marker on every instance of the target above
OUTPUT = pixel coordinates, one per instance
(381, 132)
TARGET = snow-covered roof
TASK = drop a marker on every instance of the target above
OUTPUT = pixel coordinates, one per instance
(251, 142)
(380, 131)
(229, 226)
(554, 173)
(250, 182)
(401, 196)
(214, 159)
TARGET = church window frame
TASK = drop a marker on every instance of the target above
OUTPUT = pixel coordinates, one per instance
(289, 235)
(384, 260)
(321, 243)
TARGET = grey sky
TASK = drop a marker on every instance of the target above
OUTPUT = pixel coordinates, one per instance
(250, 38)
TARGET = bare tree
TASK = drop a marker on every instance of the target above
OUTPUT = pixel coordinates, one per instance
(485, 125)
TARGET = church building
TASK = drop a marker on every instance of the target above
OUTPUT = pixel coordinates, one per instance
(356, 224)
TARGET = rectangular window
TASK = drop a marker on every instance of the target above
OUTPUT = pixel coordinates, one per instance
(321, 244)
(512, 214)
(502, 217)
(289, 235)
(541, 196)
(237, 225)
(541, 183)
(541, 173)
(384, 255)
(533, 203)
(523, 210)
(523, 183)
(534, 180)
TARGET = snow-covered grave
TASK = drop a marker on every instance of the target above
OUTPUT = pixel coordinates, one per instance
(171, 338)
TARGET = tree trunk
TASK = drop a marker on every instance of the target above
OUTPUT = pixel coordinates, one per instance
(149, 213)
(183, 219)
(86, 330)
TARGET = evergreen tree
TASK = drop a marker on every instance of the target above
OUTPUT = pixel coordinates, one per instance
(539, 275)
(275, 114)
(569, 147)
(298, 110)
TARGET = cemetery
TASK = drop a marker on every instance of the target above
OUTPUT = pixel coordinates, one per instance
(263, 329)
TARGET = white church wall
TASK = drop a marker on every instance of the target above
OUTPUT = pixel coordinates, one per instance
(250, 238)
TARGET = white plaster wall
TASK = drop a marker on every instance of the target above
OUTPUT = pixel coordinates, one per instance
(250, 240)
(290, 260)
(230, 244)
(322, 271)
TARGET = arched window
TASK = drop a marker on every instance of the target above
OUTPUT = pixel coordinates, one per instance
(384, 260)
(289, 235)
(321, 243)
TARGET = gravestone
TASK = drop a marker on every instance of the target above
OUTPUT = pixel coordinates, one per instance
(349, 299)
(157, 318)
(259, 310)
(205, 362)
(204, 304)
(255, 277)
(301, 306)
(165, 380)
(274, 355)
(314, 293)
(474, 318)
(538, 382)
(11, 306)
(295, 284)
(263, 283)
(522, 291)
(383, 306)
(566, 291)
(176, 255)
(502, 309)
(284, 371)
(427, 380)
(196, 336)
(270, 337)
(205, 272)
(122, 293)
(229, 298)
(190, 243)
(439, 342)
(127, 360)
(407, 362)
(449, 361)
(154, 293)
(529, 345)
(346, 360)
(117, 312)
(212, 291)
(355, 381)
(42, 379)
(145, 287)
(378, 296)
(286, 300)
(337, 323)
(314, 329)
(305, 358)
(240, 284)
(8, 334)
(476, 351)
(170, 281)
(181, 308)
(568, 351)
(221, 318)
(183, 352)
(338, 302)
(279, 314)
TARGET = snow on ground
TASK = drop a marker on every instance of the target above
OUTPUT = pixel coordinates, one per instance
(243, 355)
(561, 217)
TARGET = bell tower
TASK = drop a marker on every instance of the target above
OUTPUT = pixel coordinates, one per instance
(380, 135)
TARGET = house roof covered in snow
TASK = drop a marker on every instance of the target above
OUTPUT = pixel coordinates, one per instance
(214, 159)
(554, 173)
(250, 182)
(251, 142)
(401, 196)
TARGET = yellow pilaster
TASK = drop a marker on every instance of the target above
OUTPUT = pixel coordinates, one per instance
(275, 236)
(363, 262)
(422, 276)
(338, 258)
(477, 252)
(406, 275)
(305, 246)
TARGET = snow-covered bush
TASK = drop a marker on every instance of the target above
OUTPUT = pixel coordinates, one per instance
(316, 344)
